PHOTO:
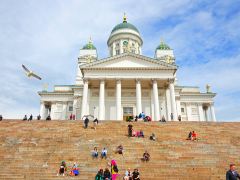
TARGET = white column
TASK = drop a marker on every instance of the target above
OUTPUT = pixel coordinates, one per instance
(178, 108)
(173, 101)
(168, 105)
(121, 46)
(188, 107)
(84, 98)
(43, 111)
(75, 106)
(64, 111)
(118, 100)
(152, 105)
(212, 112)
(200, 112)
(138, 97)
(156, 101)
(114, 49)
(101, 112)
(52, 114)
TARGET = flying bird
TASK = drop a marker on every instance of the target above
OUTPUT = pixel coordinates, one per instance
(30, 73)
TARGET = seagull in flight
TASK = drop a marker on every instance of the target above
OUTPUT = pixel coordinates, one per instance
(30, 73)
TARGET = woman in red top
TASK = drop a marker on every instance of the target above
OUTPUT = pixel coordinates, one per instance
(194, 136)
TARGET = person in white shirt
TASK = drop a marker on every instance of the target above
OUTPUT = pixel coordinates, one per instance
(104, 153)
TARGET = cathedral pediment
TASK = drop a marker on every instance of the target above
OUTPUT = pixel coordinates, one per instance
(129, 60)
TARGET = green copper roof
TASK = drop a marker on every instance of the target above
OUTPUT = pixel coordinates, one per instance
(124, 25)
(89, 45)
(163, 46)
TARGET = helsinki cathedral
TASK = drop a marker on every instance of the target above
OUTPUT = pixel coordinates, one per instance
(126, 83)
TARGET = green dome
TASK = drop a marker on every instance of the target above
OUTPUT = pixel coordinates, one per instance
(89, 45)
(124, 25)
(163, 46)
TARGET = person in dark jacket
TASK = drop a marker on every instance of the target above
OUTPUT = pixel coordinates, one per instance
(106, 174)
(86, 121)
(232, 173)
(130, 128)
(48, 118)
(30, 117)
(99, 175)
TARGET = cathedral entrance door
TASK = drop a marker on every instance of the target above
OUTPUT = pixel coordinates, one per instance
(127, 113)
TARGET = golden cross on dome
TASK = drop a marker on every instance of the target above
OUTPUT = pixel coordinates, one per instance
(125, 18)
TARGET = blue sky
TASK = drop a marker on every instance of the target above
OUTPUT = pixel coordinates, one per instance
(47, 35)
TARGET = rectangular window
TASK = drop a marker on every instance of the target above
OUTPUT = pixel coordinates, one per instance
(127, 110)
(70, 108)
(194, 111)
(117, 52)
(182, 110)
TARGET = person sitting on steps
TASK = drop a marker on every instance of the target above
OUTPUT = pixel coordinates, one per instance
(99, 175)
(232, 174)
(136, 118)
(62, 168)
(95, 153)
(179, 118)
(119, 149)
(194, 136)
(152, 137)
(163, 119)
(106, 174)
(146, 156)
(104, 153)
(189, 136)
(140, 134)
(75, 170)
(135, 175)
(128, 175)
(48, 118)
(25, 118)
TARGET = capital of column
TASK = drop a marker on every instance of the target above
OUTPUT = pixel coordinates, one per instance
(138, 81)
(154, 81)
(76, 97)
(211, 103)
(118, 81)
(85, 80)
(102, 81)
(171, 80)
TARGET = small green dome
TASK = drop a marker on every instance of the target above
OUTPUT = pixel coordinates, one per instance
(89, 45)
(163, 46)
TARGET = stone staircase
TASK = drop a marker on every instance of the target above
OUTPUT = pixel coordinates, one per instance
(33, 150)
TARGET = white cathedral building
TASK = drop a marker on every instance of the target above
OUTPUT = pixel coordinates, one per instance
(127, 83)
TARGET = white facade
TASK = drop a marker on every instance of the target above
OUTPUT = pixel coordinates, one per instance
(127, 83)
